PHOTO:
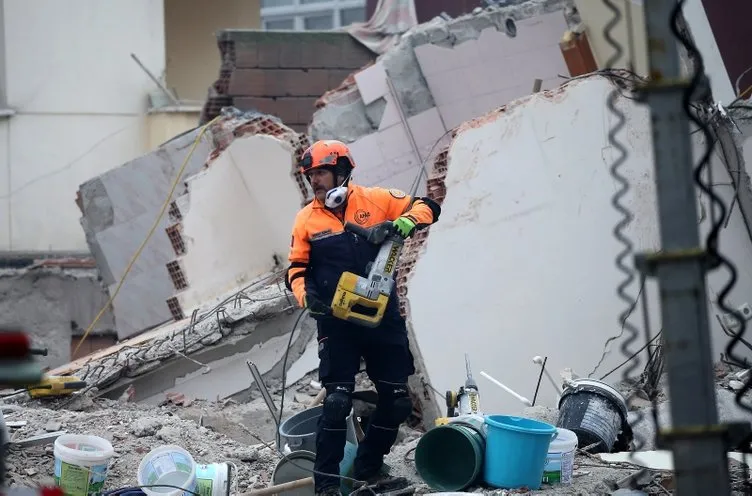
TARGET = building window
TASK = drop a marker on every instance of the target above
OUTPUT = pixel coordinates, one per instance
(349, 16)
(276, 3)
(318, 22)
(311, 15)
(279, 24)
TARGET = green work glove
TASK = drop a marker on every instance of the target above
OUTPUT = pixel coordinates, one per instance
(316, 307)
(404, 226)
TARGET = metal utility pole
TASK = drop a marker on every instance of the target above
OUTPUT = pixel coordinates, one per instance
(696, 440)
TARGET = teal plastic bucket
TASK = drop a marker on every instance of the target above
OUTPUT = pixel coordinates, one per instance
(346, 467)
(516, 450)
(450, 457)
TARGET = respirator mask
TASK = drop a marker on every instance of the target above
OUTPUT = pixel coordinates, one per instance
(337, 196)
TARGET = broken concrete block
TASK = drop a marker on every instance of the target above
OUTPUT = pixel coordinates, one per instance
(53, 426)
(372, 83)
(145, 426)
(119, 208)
(237, 226)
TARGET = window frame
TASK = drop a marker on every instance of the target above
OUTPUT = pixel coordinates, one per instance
(298, 11)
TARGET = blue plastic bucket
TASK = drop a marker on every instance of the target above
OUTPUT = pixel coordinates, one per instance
(516, 450)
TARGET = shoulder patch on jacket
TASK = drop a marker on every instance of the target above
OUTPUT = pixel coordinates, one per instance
(398, 194)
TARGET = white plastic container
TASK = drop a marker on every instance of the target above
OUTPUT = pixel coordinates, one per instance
(213, 479)
(560, 459)
(81, 463)
(170, 465)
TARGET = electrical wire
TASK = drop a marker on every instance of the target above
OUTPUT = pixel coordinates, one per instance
(622, 259)
(699, 88)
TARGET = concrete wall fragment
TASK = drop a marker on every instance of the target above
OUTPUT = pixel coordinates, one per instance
(528, 201)
(463, 79)
(238, 220)
(119, 207)
(52, 305)
(477, 75)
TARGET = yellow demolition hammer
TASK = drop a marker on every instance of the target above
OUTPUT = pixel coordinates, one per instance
(363, 300)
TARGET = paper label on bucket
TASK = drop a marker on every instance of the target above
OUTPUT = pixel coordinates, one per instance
(204, 487)
(79, 481)
(558, 468)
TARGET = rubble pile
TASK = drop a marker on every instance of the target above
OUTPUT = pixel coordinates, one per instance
(133, 431)
(238, 433)
(242, 434)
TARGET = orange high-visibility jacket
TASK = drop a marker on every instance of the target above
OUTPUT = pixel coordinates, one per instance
(321, 250)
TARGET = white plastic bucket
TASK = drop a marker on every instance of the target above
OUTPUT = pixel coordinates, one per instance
(213, 479)
(560, 459)
(170, 465)
(81, 463)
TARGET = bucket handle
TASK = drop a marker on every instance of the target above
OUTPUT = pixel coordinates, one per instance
(554, 435)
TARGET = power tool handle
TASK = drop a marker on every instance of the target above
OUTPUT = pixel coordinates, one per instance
(356, 229)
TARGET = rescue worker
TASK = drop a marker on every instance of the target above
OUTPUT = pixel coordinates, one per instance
(320, 252)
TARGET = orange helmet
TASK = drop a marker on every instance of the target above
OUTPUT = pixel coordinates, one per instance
(327, 153)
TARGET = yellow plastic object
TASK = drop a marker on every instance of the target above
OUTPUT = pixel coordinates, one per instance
(441, 421)
(346, 299)
(55, 386)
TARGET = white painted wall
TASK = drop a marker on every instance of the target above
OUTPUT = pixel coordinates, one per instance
(80, 103)
(240, 213)
(528, 206)
(720, 83)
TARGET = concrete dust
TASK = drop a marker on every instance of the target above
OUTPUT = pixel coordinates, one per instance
(133, 431)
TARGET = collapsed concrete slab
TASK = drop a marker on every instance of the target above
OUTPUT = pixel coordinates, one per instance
(533, 212)
(402, 66)
(204, 356)
(119, 208)
(442, 73)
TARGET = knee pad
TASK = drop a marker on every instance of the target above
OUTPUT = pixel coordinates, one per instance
(395, 402)
(402, 408)
(337, 407)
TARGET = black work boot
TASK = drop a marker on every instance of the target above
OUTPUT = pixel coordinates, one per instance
(329, 491)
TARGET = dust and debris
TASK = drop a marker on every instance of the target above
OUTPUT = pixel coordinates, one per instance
(243, 433)
(133, 430)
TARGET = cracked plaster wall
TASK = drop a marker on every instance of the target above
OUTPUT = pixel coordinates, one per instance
(528, 199)
(238, 217)
(119, 208)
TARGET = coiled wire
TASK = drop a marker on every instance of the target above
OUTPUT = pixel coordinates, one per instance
(699, 89)
(622, 260)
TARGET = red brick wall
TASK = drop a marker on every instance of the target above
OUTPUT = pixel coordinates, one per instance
(282, 73)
